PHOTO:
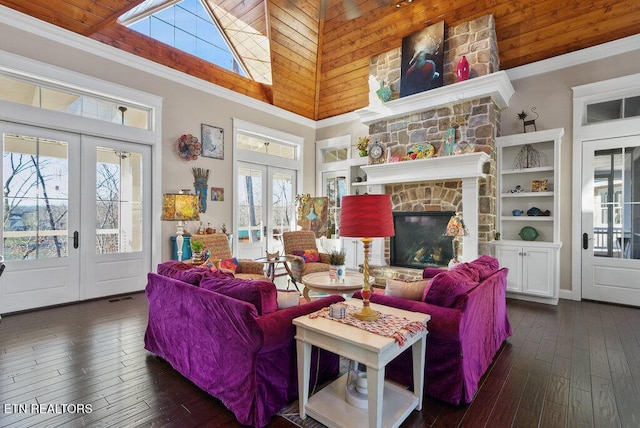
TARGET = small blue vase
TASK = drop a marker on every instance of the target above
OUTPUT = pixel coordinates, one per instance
(384, 93)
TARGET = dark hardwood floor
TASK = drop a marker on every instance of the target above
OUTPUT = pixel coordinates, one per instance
(574, 365)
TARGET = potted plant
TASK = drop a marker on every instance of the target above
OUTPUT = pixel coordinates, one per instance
(337, 269)
(197, 248)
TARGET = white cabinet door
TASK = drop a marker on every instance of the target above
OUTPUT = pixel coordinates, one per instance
(511, 258)
(538, 271)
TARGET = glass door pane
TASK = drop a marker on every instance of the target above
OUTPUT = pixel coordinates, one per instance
(36, 204)
(616, 196)
(118, 201)
(250, 196)
(282, 209)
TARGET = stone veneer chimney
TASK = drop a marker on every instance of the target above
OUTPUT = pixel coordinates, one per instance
(479, 120)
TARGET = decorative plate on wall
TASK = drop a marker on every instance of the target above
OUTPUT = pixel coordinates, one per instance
(188, 147)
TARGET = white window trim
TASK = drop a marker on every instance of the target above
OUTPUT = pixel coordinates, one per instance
(241, 126)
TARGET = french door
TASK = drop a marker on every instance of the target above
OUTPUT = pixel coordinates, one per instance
(265, 210)
(74, 223)
(611, 220)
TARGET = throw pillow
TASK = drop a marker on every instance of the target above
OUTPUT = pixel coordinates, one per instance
(468, 271)
(486, 266)
(288, 298)
(230, 265)
(309, 256)
(261, 294)
(181, 271)
(411, 290)
(446, 287)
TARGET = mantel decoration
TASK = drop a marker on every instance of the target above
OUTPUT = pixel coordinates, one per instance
(188, 147)
(363, 146)
(462, 69)
(384, 92)
(366, 217)
(422, 60)
(462, 112)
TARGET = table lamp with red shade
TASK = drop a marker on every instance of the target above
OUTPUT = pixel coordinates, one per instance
(366, 217)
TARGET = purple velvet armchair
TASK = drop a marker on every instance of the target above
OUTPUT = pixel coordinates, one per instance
(467, 328)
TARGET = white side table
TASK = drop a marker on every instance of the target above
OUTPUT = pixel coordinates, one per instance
(329, 406)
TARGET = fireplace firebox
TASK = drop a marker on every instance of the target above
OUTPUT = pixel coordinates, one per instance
(420, 239)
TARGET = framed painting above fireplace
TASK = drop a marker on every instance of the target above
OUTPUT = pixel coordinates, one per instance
(420, 239)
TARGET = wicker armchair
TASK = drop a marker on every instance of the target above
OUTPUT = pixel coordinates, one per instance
(219, 249)
(303, 240)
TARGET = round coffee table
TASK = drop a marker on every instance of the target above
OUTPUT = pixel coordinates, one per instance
(319, 281)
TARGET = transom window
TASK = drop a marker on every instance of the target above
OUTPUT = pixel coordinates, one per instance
(262, 145)
(21, 90)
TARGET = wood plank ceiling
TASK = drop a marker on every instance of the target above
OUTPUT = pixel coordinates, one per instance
(320, 56)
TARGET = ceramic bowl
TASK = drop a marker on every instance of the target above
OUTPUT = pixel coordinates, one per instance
(528, 233)
(516, 212)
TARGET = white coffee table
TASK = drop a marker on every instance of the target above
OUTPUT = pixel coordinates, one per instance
(320, 281)
(329, 406)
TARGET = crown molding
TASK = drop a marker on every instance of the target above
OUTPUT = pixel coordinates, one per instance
(594, 53)
(43, 29)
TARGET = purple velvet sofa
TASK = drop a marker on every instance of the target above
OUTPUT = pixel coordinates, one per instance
(467, 328)
(227, 336)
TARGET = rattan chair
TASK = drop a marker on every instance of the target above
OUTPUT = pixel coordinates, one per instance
(219, 249)
(300, 241)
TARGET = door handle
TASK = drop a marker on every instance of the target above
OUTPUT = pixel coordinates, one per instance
(75, 239)
(585, 241)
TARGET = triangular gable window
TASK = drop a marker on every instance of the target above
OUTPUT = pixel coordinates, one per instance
(206, 31)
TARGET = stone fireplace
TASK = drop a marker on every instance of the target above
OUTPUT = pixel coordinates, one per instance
(467, 182)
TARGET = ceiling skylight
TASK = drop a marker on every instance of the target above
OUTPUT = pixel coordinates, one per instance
(203, 29)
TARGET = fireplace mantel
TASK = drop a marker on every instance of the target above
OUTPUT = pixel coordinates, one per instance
(495, 85)
(467, 168)
(439, 168)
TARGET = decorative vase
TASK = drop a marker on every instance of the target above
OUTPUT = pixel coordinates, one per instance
(337, 272)
(461, 144)
(363, 153)
(384, 93)
(462, 70)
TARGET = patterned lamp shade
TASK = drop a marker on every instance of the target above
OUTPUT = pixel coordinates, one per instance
(180, 207)
(456, 226)
(367, 216)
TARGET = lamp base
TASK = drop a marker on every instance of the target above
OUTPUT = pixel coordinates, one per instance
(367, 314)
